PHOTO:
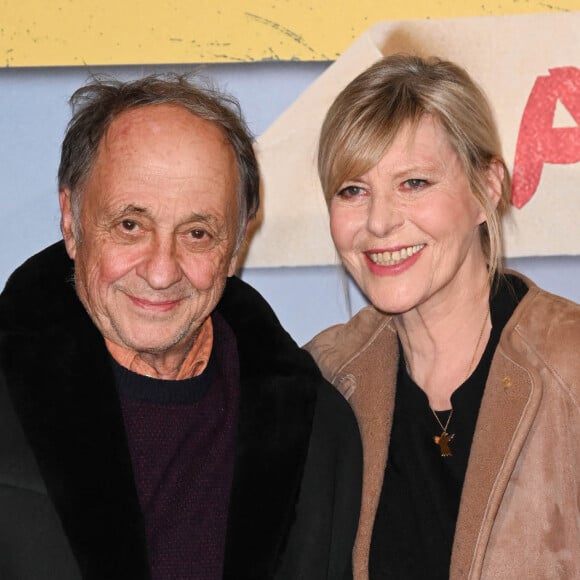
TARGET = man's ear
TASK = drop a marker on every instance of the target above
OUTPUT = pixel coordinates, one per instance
(239, 252)
(495, 174)
(67, 226)
(233, 265)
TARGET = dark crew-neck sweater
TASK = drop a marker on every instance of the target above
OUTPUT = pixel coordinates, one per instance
(419, 503)
(181, 437)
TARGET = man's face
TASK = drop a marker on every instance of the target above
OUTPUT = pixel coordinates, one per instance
(158, 229)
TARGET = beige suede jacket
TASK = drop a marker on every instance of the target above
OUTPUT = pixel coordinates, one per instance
(520, 508)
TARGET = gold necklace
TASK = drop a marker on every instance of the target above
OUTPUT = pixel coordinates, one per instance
(445, 438)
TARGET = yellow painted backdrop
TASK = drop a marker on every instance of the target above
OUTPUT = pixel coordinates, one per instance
(110, 32)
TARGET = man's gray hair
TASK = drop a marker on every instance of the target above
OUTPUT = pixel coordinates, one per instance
(98, 103)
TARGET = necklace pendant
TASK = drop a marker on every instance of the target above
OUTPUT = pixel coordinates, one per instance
(443, 442)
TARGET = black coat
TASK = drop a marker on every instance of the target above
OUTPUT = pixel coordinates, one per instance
(68, 503)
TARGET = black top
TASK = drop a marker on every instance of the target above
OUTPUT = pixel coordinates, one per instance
(415, 520)
(181, 436)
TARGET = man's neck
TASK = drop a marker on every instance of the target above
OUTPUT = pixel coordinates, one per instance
(168, 366)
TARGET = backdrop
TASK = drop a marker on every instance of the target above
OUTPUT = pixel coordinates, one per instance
(34, 90)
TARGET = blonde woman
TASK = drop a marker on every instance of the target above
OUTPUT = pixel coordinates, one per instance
(464, 378)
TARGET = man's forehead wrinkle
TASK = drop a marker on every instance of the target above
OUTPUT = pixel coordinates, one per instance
(150, 170)
(124, 139)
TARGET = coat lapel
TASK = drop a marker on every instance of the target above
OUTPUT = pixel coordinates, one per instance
(373, 403)
(277, 402)
(361, 359)
(62, 388)
(509, 405)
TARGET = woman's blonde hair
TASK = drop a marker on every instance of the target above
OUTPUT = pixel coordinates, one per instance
(399, 90)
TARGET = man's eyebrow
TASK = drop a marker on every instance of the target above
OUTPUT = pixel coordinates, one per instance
(129, 209)
(201, 217)
(132, 209)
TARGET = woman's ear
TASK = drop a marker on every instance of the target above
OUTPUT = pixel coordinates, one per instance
(495, 174)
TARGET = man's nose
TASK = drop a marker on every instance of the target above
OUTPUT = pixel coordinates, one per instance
(160, 266)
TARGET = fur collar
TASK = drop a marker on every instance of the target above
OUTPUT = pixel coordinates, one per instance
(60, 379)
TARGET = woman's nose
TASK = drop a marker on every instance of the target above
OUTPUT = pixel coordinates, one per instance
(384, 215)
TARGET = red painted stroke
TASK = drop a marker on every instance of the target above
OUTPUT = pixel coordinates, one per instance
(538, 141)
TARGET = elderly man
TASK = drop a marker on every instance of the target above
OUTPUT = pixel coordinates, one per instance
(155, 419)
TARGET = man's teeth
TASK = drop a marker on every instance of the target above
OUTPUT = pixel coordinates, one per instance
(392, 258)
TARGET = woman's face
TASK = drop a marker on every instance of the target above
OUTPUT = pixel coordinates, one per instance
(407, 230)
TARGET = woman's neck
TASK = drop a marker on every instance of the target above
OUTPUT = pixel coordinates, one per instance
(443, 343)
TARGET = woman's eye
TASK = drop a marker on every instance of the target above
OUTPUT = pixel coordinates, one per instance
(350, 191)
(415, 183)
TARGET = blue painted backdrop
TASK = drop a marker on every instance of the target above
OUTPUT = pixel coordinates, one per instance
(33, 117)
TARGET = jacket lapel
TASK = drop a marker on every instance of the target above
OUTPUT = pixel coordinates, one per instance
(509, 405)
(373, 403)
(62, 387)
(277, 402)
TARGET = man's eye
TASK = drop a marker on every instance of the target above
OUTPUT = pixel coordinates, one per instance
(198, 234)
(350, 191)
(129, 225)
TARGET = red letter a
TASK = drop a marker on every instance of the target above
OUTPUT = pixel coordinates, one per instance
(538, 141)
